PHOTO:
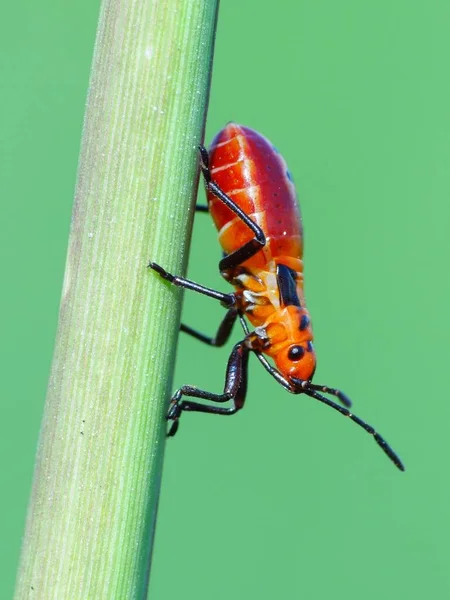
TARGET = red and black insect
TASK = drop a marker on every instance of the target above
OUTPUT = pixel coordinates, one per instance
(253, 203)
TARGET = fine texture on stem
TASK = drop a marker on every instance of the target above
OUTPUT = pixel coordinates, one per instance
(92, 513)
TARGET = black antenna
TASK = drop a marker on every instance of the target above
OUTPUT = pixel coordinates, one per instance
(309, 391)
(326, 390)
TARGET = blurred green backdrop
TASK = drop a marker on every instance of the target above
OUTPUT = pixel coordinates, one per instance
(287, 499)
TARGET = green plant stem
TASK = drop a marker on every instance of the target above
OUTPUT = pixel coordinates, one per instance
(93, 507)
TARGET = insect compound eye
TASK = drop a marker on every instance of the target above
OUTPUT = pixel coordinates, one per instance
(296, 353)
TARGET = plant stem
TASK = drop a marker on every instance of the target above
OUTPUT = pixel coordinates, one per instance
(92, 512)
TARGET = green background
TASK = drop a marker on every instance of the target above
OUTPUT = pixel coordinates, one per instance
(287, 499)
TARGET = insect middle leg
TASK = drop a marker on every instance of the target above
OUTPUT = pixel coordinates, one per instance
(235, 389)
(223, 332)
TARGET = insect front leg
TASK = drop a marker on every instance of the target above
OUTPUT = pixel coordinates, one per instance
(251, 247)
(235, 390)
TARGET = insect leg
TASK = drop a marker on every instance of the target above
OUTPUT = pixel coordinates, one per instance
(195, 406)
(227, 300)
(265, 363)
(250, 248)
(223, 333)
(201, 208)
(235, 389)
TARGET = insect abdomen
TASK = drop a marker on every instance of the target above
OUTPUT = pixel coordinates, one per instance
(248, 168)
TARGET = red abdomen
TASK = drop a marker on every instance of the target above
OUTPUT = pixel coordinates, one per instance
(246, 166)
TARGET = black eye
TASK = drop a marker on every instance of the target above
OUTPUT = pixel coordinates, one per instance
(296, 353)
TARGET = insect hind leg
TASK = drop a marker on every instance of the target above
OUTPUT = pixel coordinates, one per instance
(251, 247)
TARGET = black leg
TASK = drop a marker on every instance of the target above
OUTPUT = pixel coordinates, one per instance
(235, 389)
(250, 248)
(275, 373)
(223, 333)
(202, 208)
(195, 406)
(227, 300)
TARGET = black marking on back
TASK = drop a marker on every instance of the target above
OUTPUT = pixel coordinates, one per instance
(286, 280)
(304, 322)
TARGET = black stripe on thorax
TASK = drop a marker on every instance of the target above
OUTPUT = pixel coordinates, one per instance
(287, 286)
